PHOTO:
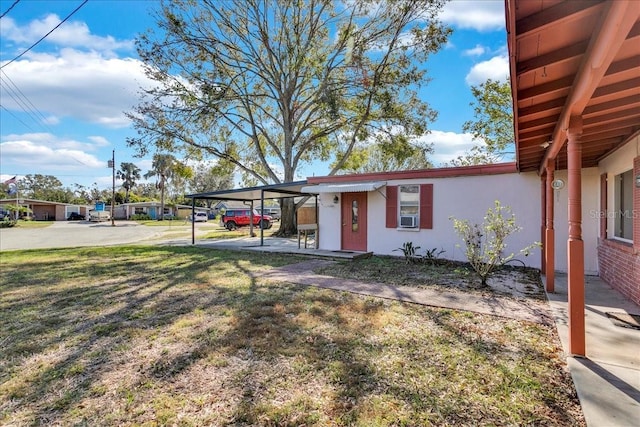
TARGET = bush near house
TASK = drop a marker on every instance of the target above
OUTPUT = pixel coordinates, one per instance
(485, 243)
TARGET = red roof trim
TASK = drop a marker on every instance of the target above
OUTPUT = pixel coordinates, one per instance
(495, 169)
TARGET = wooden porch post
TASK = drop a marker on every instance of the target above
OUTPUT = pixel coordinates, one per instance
(549, 237)
(575, 245)
(543, 223)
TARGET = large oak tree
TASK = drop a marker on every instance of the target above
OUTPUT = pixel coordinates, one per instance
(272, 85)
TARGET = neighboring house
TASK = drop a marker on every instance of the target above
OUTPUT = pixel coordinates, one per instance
(42, 210)
(223, 205)
(127, 210)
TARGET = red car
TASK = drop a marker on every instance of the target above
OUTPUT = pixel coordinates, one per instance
(234, 218)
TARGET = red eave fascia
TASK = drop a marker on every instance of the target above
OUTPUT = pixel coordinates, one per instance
(510, 22)
(493, 169)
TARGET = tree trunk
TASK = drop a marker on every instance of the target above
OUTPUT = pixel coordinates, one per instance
(162, 202)
(288, 223)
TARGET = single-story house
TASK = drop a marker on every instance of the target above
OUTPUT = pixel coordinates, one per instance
(43, 210)
(379, 212)
(127, 210)
(575, 184)
(223, 205)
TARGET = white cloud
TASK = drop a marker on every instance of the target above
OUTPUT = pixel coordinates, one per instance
(496, 68)
(70, 34)
(476, 51)
(43, 151)
(84, 86)
(99, 141)
(448, 145)
(487, 15)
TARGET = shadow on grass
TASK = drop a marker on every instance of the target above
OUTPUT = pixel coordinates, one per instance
(118, 335)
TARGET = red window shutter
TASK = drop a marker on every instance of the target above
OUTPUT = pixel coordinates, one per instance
(426, 206)
(392, 207)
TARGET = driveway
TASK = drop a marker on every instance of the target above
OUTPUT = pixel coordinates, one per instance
(67, 234)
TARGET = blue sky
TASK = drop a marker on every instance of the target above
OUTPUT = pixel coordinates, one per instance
(76, 84)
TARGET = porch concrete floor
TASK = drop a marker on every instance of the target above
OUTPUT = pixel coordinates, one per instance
(608, 378)
(280, 245)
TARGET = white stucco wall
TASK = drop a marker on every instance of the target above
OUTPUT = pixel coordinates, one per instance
(462, 197)
(590, 221)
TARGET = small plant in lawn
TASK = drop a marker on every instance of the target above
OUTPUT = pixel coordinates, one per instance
(432, 255)
(485, 243)
(409, 251)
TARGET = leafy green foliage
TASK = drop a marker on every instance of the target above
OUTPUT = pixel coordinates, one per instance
(409, 251)
(166, 168)
(128, 174)
(492, 127)
(485, 243)
(412, 255)
(274, 85)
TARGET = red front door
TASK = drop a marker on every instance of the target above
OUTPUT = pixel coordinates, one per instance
(354, 221)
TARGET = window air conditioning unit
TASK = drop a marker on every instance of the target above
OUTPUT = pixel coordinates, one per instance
(408, 221)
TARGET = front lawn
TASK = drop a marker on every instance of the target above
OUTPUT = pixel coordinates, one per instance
(193, 336)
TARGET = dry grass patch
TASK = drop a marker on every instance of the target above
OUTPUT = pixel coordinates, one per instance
(521, 282)
(191, 336)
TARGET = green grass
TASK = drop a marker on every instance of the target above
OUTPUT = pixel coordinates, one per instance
(209, 230)
(33, 224)
(192, 336)
(165, 222)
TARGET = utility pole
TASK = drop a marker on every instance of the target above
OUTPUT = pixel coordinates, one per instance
(112, 163)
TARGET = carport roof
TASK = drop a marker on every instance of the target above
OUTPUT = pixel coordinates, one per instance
(271, 191)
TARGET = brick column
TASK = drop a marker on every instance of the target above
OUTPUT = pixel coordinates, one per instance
(549, 237)
(575, 245)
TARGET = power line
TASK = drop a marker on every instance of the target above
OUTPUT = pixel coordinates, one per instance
(17, 118)
(46, 35)
(10, 7)
(25, 104)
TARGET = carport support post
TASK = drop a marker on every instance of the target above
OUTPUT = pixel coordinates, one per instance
(261, 216)
(251, 220)
(575, 244)
(113, 188)
(193, 222)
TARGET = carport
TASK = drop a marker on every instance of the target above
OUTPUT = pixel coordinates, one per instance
(252, 194)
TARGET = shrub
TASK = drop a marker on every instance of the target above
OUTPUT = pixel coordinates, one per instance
(411, 255)
(140, 217)
(8, 222)
(485, 243)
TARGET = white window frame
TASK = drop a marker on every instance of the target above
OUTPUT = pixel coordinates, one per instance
(623, 205)
(409, 204)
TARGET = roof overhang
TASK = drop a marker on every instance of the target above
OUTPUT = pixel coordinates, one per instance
(347, 187)
(573, 58)
(271, 191)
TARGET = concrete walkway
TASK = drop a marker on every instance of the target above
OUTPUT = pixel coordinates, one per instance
(608, 379)
(302, 274)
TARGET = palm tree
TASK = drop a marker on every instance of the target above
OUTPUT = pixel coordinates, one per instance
(128, 173)
(163, 167)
